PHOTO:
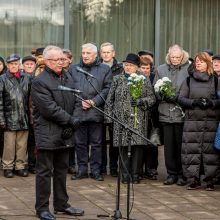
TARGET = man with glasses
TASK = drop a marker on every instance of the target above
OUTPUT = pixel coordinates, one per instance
(53, 124)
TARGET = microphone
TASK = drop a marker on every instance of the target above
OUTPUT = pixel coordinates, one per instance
(84, 72)
(64, 88)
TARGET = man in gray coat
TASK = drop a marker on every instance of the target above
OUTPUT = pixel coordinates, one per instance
(171, 118)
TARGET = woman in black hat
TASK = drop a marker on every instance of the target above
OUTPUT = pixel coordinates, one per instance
(119, 104)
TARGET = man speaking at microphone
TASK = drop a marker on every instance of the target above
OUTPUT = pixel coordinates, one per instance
(94, 80)
(53, 125)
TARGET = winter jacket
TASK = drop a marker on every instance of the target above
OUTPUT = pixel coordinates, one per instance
(116, 67)
(118, 104)
(14, 93)
(52, 109)
(96, 88)
(177, 74)
(4, 66)
(199, 126)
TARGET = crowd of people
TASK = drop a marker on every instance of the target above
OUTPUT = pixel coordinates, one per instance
(56, 116)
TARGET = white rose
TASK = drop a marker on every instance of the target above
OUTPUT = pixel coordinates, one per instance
(166, 79)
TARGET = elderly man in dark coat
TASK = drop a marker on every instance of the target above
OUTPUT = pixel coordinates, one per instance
(53, 123)
(94, 80)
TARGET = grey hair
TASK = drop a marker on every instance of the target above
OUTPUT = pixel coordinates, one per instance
(107, 44)
(68, 53)
(91, 46)
(175, 47)
(48, 49)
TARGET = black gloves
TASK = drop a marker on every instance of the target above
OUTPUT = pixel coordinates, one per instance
(136, 102)
(67, 133)
(68, 130)
(209, 103)
(170, 99)
(203, 103)
(75, 122)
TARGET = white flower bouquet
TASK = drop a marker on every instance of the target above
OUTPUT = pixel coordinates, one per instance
(167, 91)
(135, 83)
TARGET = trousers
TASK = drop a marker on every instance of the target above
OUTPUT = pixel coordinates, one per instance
(51, 164)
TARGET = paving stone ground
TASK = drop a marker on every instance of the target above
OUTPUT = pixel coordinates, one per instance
(151, 199)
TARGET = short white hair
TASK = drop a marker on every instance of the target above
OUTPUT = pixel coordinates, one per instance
(107, 44)
(91, 46)
(49, 49)
(174, 48)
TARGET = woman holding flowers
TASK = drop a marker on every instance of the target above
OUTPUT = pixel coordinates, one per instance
(130, 96)
(198, 95)
(170, 114)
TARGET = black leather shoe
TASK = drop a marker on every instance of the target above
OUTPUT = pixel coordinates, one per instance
(79, 176)
(181, 181)
(45, 215)
(170, 180)
(97, 176)
(113, 173)
(124, 180)
(22, 172)
(71, 170)
(32, 170)
(8, 173)
(135, 179)
(71, 211)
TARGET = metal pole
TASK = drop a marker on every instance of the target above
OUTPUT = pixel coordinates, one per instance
(157, 33)
(66, 24)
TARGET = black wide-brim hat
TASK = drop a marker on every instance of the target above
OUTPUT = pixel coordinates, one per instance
(133, 58)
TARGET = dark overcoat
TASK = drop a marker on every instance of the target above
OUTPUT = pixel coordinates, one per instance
(199, 126)
(52, 109)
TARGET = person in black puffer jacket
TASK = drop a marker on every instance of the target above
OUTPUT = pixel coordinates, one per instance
(94, 91)
(198, 97)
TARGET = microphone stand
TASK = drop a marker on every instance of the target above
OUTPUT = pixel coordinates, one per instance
(117, 212)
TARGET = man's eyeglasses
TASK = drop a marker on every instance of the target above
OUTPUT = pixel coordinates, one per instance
(57, 60)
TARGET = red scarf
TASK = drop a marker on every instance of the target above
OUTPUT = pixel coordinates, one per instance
(17, 75)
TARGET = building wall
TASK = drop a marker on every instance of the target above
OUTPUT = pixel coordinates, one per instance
(128, 24)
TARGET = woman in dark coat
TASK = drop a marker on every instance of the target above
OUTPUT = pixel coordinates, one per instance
(3, 69)
(119, 104)
(3, 66)
(198, 97)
